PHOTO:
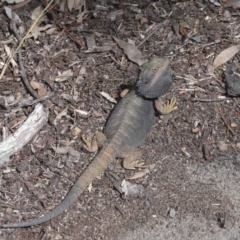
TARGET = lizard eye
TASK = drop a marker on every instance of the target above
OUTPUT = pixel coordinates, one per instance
(155, 70)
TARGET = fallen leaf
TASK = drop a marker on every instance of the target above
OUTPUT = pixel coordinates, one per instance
(70, 4)
(183, 31)
(64, 76)
(39, 87)
(195, 130)
(65, 150)
(75, 131)
(81, 6)
(131, 189)
(226, 55)
(36, 13)
(132, 52)
(82, 113)
(233, 125)
(108, 97)
(9, 13)
(60, 115)
(35, 32)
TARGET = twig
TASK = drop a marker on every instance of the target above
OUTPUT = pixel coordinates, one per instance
(209, 100)
(156, 28)
(63, 27)
(22, 69)
(225, 122)
(211, 43)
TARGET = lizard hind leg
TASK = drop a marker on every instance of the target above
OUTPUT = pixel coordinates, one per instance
(130, 157)
(92, 145)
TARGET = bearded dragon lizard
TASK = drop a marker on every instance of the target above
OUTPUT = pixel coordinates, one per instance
(127, 126)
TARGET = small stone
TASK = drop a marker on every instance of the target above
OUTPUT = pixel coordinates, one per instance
(222, 146)
(238, 145)
(172, 213)
(147, 203)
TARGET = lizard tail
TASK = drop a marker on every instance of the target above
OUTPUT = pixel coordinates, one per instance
(96, 167)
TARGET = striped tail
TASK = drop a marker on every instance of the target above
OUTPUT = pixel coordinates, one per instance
(96, 167)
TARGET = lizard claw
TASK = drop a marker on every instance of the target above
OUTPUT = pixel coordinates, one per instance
(166, 108)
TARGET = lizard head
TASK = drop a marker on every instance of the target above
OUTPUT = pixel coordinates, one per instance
(155, 78)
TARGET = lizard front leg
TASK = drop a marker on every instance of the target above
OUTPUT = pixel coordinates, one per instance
(166, 108)
(92, 145)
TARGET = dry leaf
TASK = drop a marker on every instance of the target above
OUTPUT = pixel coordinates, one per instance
(183, 31)
(226, 55)
(9, 13)
(195, 130)
(60, 115)
(64, 76)
(132, 52)
(39, 87)
(131, 189)
(82, 113)
(81, 6)
(75, 131)
(70, 4)
(108, 97)
(36, 13)
(65, 150)
(35, 32)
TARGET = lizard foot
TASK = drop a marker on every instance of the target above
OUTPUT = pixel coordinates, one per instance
(124, 92)
(130, 156)
(166, 108)
(92, 145)
(133, 164)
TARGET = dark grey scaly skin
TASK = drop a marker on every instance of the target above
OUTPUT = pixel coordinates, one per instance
(127, 125)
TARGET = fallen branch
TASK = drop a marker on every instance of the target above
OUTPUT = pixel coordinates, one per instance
(36, 120)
